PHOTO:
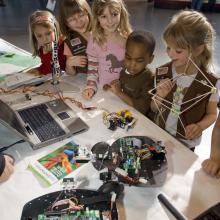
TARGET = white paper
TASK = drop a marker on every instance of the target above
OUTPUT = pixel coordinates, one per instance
(51, 5)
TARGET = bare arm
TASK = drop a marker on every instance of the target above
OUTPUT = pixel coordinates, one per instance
(73, 61)
(215, 150)
(195, 130)
(8, 168)
(34, 71)
(70, 69)
(212, 165)
(210, 117)
(116, 89)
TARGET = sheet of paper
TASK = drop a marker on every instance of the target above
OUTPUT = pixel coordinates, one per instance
(14, 59)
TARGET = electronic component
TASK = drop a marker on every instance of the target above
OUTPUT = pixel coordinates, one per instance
(122, 119)
(77, 204)
(131, 159)
(105, 176)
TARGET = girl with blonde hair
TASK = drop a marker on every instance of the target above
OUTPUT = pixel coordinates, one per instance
(106, 46)
(186, 97)
(43, 27)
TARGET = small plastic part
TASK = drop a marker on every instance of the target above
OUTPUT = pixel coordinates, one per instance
(121, 172)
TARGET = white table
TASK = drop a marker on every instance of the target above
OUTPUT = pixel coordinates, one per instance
(187, 186)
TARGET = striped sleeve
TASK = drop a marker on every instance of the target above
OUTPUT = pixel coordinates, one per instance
(92, 75)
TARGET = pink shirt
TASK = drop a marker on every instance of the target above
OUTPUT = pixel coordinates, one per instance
(110, 60)
(67, 51)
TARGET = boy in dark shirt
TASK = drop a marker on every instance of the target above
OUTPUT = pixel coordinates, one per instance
(136, 79)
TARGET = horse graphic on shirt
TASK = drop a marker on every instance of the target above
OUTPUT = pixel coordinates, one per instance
(115, 63)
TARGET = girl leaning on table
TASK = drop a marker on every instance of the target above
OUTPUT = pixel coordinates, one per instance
(42, 29)
(106, 46)
(186, 99)
(75, 19)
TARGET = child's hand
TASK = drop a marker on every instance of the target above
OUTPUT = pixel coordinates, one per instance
(80, 61)
(106, 87)
(34, 71)
(193, 131)
(47, 47)
(88, 93)
(211, 167)
(164, 87)
(9, 168)
(115, 87)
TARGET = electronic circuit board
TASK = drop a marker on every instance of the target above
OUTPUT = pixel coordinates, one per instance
(135, 160)
(75, 204)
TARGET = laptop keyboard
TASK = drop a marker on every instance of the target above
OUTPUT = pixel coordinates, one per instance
(41, 122)
(212, 213)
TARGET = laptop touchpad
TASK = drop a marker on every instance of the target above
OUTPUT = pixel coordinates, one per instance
(63, 115)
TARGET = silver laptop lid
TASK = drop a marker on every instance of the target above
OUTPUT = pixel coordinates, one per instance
(10, 120)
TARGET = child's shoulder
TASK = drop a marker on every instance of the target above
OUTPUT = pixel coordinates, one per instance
(168, 64)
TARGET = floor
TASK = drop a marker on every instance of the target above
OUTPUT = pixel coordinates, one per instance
(144, 16)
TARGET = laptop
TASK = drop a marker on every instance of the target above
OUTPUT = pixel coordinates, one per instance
(212, 213)
(42, 124)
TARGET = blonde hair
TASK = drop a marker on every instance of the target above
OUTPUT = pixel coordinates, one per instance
(44, 19)
(97, 10)
(68, 8)
(188, 30)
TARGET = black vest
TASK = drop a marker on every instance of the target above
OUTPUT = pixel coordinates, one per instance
(77, 44)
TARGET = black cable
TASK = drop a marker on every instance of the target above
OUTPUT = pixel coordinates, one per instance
(170, 207)
(6, 147)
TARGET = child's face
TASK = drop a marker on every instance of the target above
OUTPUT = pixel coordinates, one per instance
(78, 22)
(109, 20)
(178, 56)
(136, 57)
(43, 35)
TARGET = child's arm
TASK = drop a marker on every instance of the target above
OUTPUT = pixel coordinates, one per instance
(116, 89)
(163, 88)
(195, 130)
(92, 78)
(73, 61)
(6, 167)
(212, 165)
(70, 69)
(34, 71)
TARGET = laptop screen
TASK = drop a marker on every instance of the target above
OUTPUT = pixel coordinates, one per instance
(8, 116)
